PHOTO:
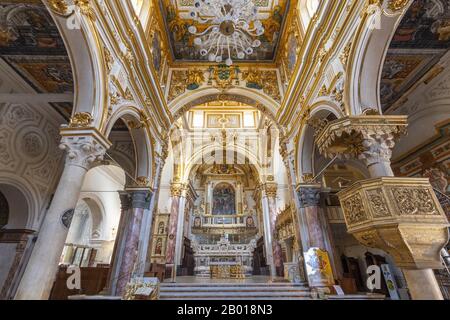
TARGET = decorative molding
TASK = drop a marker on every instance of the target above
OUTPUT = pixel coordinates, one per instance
(401, 216)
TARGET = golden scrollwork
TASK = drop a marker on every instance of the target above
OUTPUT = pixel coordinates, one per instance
(81, 120)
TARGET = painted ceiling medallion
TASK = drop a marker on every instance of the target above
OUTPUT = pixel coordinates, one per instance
(231, 32)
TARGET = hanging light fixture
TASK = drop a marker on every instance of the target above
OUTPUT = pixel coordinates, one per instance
(233, 29)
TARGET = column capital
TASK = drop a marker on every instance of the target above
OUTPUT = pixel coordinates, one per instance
(177, 189)
(125, 200)
(309, 194)
(270, 189)
(83, 146)
(139, 197)
(368, 138)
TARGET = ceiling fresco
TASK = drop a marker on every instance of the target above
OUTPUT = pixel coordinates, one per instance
(271, 13)
(422, 38)
(31, 44)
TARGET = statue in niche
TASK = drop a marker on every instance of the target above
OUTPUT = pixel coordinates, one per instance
(224, 200)
(161, 228)
(158, 247)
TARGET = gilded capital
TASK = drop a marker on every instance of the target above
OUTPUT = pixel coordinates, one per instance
(401, 216)
(270, 189)
(177, 189)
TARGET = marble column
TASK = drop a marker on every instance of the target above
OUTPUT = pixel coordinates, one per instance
(119, 243)
(83, 148)
(140, 202)
(315, 229)
(289, 162)
(176, 190)
(270, 203)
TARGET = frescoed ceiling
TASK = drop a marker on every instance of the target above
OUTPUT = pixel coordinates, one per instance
(176, 16)
(422, 38)
(31, 44)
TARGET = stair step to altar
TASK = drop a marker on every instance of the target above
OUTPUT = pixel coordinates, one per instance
(234, 291)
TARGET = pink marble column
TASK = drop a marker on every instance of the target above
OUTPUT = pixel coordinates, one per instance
(125, 201)
(140, 202)
(176, 190)
(309, 199)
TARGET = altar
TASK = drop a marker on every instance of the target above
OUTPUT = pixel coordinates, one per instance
(224, 260)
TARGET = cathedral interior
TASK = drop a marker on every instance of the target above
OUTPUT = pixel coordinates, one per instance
(199, 149)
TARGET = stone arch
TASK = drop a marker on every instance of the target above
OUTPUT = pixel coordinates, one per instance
(141, 138)
(18, 205)
(19, 192)
(87, 61)
(97, 215)
(260, 101)
(367, 58)
(305, 154)
(199, 155)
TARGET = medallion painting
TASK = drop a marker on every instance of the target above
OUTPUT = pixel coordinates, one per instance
(224, 198)
(426, 25)
(272, 14)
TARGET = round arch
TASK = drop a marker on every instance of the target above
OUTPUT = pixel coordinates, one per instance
(190, 99)
(306, 144)
(140, 137)
(197, 157)
(87, 60)
(367, 58)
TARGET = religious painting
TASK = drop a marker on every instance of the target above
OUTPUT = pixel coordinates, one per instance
(27, 28)
(426, 25)
(224, 200)
(197, 222)
(250, 222)
(46, 75)
(401, 71)
(292, 53)
(156, 52)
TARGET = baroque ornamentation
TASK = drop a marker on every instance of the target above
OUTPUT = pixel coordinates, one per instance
(401, 216)
(368, 138)
(82, 151)
(81, 120)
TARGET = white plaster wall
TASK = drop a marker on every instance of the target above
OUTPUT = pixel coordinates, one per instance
(102, 185)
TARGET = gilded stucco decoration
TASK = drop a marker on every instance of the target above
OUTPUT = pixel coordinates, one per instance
(224, 78)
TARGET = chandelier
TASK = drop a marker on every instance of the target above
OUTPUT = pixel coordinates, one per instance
(232, 29)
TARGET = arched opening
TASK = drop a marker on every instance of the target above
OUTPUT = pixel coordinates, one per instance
(15, 238)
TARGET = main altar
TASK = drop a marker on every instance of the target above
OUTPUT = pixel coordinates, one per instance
(224, 260)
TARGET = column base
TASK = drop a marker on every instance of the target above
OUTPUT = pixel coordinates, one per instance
(422, 284)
